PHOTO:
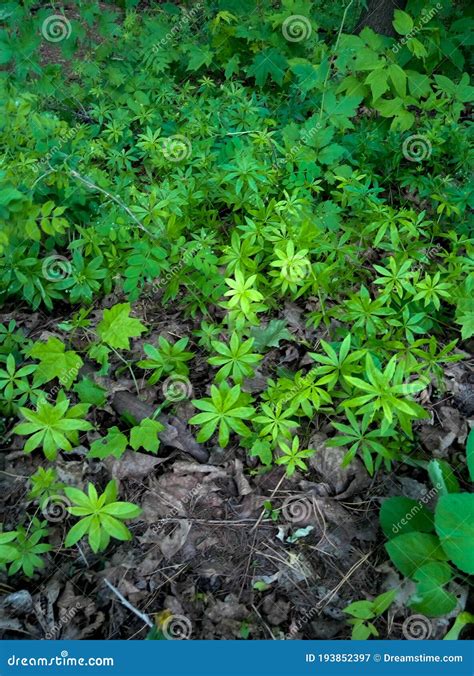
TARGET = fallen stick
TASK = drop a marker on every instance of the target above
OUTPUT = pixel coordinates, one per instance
(175, 434)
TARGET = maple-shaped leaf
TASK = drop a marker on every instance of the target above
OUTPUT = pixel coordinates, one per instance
(145, 435)
(114, 444)
(117, 327)
(270, 335)
(199, 56)
(55, 362)
(269, 62)
(465, 317)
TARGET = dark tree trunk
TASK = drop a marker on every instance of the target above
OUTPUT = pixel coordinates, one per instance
(379, 16)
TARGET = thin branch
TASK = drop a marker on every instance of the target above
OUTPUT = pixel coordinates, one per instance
(128, 605)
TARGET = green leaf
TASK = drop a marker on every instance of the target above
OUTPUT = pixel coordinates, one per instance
(442, 477)
(117, 327)
(461, 621)
(145, 435)
(270, 335)
(199, 56)
(404, 515)
(268, 63)
(470, 453)
(362, 610)
(454, 523)
(55, 362)
(383, 601)
(403, 23)
(399, 79)
(114, 444)
(78, 531)
(378, 81)
(261, 448)
(410, 551)
(123, 510)
(90, 392)
(431, 599)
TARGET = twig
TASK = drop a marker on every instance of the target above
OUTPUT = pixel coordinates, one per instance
(114, 198)
(128, 605)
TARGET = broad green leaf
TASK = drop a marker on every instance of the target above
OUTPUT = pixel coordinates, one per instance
(410, 551)
(117, 327)
(404, 515)
(431, 599)
(55, 362)
(470, 453)
(442, 477)
(145, 435)
(454, 523)
(403, 23)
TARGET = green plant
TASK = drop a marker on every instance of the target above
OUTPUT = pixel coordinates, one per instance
(362, 612)
(224, 411)
(44, 485)
(167, 358)
(276, 421)
(54, 427)
(102, 516)
(236, 359)
(337, 365)
(292, 456)
(430, 548)
(363, 440)
(8, 551)
(386, 391)
(29, 548)
(13, 382)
